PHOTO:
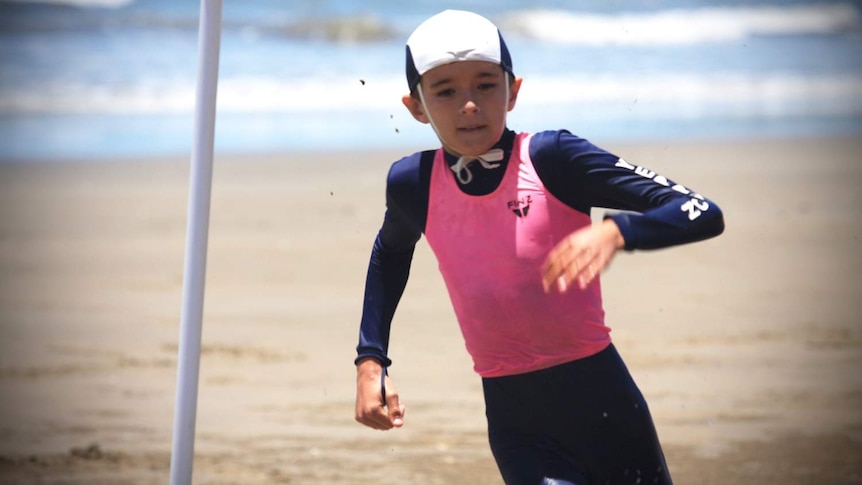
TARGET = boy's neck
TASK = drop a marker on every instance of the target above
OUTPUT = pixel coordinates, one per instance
(505, 143)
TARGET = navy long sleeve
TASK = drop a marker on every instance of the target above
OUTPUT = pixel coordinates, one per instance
(392, 253)
(585, 176)
(658, 213)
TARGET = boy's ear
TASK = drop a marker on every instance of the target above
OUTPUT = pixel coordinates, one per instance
(414, 106)
(514, 88)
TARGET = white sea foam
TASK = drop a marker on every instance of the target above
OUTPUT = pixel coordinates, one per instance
(694, 97)
(680, 27)
(691, 95)
(237, 95)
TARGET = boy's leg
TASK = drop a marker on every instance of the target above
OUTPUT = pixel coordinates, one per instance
(584, 419)
(525, 460)
(613, 432)
(524, 452)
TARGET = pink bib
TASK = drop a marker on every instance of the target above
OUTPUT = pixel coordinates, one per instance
(490, 250)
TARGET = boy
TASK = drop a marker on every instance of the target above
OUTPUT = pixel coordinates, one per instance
(507, 216)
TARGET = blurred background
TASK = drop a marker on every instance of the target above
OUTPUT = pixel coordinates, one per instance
(84, 79)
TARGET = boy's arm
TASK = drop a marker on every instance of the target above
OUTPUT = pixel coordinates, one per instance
(378, 404)
(661, 213)
(386, 279)
(392, 255)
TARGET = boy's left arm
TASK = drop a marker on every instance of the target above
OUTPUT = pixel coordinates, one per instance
(660, 213)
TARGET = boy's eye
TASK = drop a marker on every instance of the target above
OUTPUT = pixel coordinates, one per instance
(445, 92)
(486, 86)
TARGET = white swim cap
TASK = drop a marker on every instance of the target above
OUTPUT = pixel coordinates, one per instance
(452, 36)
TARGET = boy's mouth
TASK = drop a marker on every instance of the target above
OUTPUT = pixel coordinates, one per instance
(470, 129)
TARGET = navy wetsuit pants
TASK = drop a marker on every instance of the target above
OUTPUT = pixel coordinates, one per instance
(584, 422)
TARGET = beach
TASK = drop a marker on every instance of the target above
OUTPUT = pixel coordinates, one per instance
(748, 347)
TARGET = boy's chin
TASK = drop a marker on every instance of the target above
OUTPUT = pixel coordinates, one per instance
(472, 145)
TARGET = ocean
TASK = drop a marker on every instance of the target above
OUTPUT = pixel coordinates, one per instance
(110, 79)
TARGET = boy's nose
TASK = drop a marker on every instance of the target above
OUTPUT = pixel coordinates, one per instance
(469, 105)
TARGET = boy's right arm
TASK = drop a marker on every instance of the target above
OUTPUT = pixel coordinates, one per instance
(388, 270)
(378, 406)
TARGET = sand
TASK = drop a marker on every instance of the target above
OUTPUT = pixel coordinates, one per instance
(748, 347)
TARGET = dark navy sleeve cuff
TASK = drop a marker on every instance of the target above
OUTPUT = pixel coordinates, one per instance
(623, 223)
(382, 359)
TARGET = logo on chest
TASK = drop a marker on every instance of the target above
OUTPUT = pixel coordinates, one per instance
(520, 207)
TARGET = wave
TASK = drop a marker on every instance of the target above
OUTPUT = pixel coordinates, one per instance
(680, 27)
(86, 16)
(770, 95)
(77, 3)
(361, 28)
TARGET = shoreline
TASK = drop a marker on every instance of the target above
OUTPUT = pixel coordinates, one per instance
(392, 152)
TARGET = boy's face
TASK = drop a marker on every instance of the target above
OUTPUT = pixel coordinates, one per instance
(467, 103)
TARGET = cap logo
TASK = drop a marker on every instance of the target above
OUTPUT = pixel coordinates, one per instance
(460, 55)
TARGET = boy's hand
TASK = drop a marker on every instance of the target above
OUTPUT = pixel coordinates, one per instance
(370, 408)
(581, 256)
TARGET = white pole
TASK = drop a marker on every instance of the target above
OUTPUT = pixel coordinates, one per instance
(188, 361)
